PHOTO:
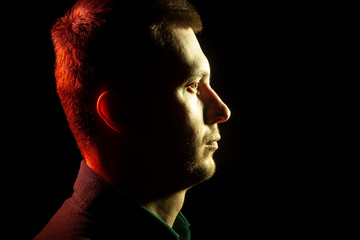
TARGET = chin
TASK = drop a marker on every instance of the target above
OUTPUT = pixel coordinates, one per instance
(202, 170)
(209, 166)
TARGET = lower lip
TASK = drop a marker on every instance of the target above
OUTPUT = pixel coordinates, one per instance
(213, 145)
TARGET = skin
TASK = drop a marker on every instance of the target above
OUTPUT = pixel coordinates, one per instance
(156, 154)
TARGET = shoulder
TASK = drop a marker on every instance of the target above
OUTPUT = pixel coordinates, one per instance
(69, 222)
(74, 222)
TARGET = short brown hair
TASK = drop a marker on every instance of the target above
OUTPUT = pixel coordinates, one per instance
(89, 42)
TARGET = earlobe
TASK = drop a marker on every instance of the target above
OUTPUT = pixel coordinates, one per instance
(107, 108)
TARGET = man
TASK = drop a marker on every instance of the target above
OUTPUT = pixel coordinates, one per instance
(135, 87)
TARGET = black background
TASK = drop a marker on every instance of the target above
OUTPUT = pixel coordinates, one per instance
(269, 64)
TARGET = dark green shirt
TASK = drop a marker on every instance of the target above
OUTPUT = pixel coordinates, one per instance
(97, 210)
(181, 227)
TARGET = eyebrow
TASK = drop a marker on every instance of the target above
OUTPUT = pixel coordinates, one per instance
(200, 73)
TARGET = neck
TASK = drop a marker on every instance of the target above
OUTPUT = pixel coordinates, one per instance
(156, 194)
(168, 207)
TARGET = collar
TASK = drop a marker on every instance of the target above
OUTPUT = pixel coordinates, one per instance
(180, 229)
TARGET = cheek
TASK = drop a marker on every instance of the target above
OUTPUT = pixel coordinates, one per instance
(192, 108)
(183, 118)
(193, 121)
(195, 115)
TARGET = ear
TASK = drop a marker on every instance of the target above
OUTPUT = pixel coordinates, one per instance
(109, 109)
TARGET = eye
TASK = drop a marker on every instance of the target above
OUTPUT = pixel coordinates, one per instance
(193, 87)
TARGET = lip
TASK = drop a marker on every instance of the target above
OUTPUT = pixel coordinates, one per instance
(213, 143)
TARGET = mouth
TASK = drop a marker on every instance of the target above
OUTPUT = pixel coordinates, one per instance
(214, 143)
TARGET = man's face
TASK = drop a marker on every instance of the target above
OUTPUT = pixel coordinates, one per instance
(183, 114)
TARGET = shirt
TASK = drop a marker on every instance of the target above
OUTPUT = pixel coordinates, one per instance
(98, 210)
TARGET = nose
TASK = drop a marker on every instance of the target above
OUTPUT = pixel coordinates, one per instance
(216, 110)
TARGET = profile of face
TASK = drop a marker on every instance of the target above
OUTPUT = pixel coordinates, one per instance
(178, 124)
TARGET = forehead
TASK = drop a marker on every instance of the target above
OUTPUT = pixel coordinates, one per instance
(189, 52)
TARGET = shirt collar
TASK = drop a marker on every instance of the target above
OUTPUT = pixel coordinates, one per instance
(180, 229)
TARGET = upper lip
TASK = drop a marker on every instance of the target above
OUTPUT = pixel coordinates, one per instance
(215, 139)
